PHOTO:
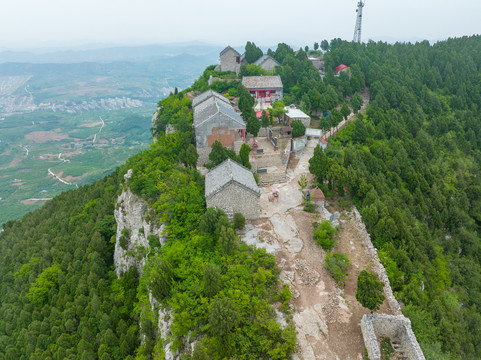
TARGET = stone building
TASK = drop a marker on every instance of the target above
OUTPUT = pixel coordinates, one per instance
(293, 113)
(215, 119)
(232, 188)
(230, 60)
(267, 63)
(265, 89)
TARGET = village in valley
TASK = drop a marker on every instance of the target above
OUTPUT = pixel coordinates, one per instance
(265, 177)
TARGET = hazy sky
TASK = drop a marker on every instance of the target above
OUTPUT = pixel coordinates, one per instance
(42, 23)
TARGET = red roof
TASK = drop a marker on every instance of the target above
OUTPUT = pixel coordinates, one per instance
(317, 195)
(341, 67)
(323, 141)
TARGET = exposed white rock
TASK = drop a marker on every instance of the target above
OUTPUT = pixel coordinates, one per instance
(165, 322)
(130, 216)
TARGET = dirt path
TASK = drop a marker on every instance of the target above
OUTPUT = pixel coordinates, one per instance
(326, 315)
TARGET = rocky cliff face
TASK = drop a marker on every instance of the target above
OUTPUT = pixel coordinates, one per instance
(134, 231)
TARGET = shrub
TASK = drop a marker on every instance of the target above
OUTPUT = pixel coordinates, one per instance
(123, 242)
(153, 241)
(239, 221)
(337, 264)
(324, 235)
(309, 207)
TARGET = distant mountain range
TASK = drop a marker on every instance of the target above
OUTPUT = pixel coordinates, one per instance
(111, 54)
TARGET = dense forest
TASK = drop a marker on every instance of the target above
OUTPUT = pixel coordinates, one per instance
(411, 165)
(59, 298)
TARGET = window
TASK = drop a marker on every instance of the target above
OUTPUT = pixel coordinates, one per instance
(237, 59)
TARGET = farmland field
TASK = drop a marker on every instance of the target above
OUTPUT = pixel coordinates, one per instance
(77, 148)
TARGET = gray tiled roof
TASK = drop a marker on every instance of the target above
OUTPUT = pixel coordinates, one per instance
(264, 58)
(262, 82)
(227, 172)
(213, 106)
(206, 95)
(228, 47)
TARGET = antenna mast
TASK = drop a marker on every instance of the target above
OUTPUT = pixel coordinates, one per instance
(357, 29)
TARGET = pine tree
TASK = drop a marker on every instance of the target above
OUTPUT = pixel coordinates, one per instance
(369, 291)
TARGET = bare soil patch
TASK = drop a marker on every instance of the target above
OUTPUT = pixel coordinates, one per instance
(40, 137)
(89, 125)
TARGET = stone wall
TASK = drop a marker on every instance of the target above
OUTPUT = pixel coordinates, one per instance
(378, 268)
(235, 198)
(397, 328)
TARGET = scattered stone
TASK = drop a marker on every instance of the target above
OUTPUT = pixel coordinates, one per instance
(307, 275)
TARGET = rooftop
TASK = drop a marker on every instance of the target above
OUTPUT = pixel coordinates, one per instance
(262, 82)
(206, 95)
(264, 58)
(314, 132)
(228, 47)
(228, 172)
(211, 107)
(296, 113)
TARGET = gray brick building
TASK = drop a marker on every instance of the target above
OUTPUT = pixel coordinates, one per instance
(232, 188)
(215, 119)
(230, 60)
(267, 63)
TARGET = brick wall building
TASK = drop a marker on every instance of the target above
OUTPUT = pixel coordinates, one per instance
(232, 188)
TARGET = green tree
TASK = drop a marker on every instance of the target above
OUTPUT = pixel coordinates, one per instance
(316, 46)
(369, 290)
(211, 280)
(208, 221)
(48, 279)
(335, 117)
(161, 280)
(227, 239)
(345, 111)
(324, 45)
(218, 154)
(189, 156)
(199, 352)
(252, 52)
(278, 109)
(266, 121)
(356, 103)
(223, 317)
(244, 152)
(298, 128)
(253, 124)
(360, 133)
(319, 164)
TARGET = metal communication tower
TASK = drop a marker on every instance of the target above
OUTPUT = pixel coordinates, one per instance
(357, 29)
